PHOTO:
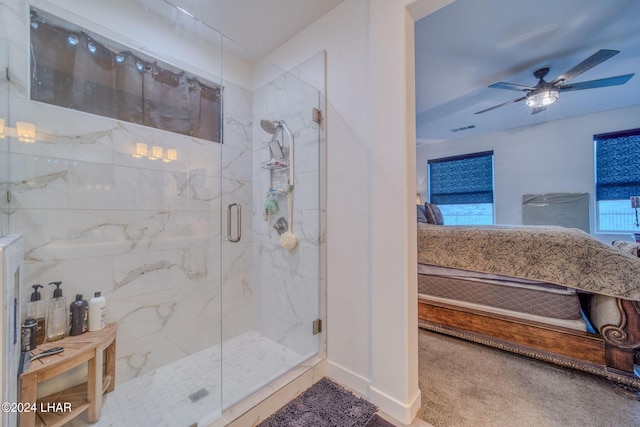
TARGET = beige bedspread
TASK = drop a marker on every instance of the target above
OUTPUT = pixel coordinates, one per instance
(564, 256)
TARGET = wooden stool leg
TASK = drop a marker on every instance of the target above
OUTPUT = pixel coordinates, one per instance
(110, 362)
(94, 387)
(29, 390)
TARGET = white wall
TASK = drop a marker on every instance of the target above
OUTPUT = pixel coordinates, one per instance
(547, 158)
(371, 308)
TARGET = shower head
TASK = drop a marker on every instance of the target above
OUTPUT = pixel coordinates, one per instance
(270, 126)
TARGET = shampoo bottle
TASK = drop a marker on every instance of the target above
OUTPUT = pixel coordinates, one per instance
(58, 321)
(97, 312)
(78, 311)
(35, 309)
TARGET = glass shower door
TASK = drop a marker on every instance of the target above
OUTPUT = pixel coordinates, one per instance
(272, 234)
(4, 125)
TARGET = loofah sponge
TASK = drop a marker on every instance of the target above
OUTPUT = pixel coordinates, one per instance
(271, 205)
(288, 240)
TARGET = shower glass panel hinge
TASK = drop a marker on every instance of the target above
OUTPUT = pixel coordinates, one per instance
(6, 70)
(317, 326)
(8, 196)
(317, 116)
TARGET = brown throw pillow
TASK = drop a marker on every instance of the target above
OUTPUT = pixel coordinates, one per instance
(433, 214)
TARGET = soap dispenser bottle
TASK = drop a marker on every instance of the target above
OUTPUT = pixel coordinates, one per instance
(58, 321)
(35, 310)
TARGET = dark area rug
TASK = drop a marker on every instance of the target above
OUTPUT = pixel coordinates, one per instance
(324, 404)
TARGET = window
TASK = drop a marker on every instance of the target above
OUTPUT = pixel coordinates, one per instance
(462, 186)
(70, 68)
(617, 159)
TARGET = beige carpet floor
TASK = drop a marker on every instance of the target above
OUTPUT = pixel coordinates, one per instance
(468, 384)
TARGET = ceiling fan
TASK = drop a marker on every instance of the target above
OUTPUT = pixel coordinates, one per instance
(544, 93)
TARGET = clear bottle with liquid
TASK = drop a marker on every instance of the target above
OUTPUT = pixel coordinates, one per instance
(35, 310)
(58, 319)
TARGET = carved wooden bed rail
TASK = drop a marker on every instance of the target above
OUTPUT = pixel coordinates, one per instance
(610, 354)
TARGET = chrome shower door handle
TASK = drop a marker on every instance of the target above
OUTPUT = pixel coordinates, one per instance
(238, 222)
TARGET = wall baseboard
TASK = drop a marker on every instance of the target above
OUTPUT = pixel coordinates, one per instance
(349, 379)
(403, 412)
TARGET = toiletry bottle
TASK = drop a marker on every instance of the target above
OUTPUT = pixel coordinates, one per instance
(97, 312)
(29, 334)
(58, 321)
(35, 309)
(78, 311)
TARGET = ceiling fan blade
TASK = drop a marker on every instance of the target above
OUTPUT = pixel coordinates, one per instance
(500, 105)
(592, 84)
(511, 86)
(536, 110)
(595, 59)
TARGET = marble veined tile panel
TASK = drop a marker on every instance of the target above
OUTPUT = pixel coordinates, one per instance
(15, 27)
(238, 132)
(237, 288)
(286, 313)
(306, 191)
(237, 163)
(150, 271)
(78, 276)
(160, 327)
(201, 192)
(127, 135)
(18, 61)
(175, 230)
(282, 92)
(63, 133)
(237, 101)
(160, 190)
(38, 182)
(52, 235)
(103, 186)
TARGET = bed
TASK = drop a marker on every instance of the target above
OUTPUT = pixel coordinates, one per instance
(552, 293)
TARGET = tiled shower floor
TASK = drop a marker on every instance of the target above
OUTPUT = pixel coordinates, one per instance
(162, 397)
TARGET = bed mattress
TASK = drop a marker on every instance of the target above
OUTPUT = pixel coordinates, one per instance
(531, 300)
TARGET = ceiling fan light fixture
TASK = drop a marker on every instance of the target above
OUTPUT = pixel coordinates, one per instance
(542, 99)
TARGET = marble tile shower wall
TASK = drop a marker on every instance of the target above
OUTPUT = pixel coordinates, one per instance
(145, 233)
(287, 284)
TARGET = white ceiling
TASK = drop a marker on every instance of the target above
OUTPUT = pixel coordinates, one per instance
(468, 45)
(257, 25)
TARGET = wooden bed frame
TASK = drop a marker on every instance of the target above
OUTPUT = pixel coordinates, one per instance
(609, 354)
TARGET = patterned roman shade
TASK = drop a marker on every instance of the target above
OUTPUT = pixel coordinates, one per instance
(617, 165)
(465, 179)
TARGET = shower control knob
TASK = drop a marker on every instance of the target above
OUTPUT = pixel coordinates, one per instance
(281, 225)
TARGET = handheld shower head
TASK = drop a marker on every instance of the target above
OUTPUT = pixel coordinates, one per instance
(270, 126)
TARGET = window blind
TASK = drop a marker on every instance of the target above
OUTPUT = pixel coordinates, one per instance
(465, 179)
(617, 165)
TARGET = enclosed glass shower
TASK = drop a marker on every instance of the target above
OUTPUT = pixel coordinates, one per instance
(175, 223)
